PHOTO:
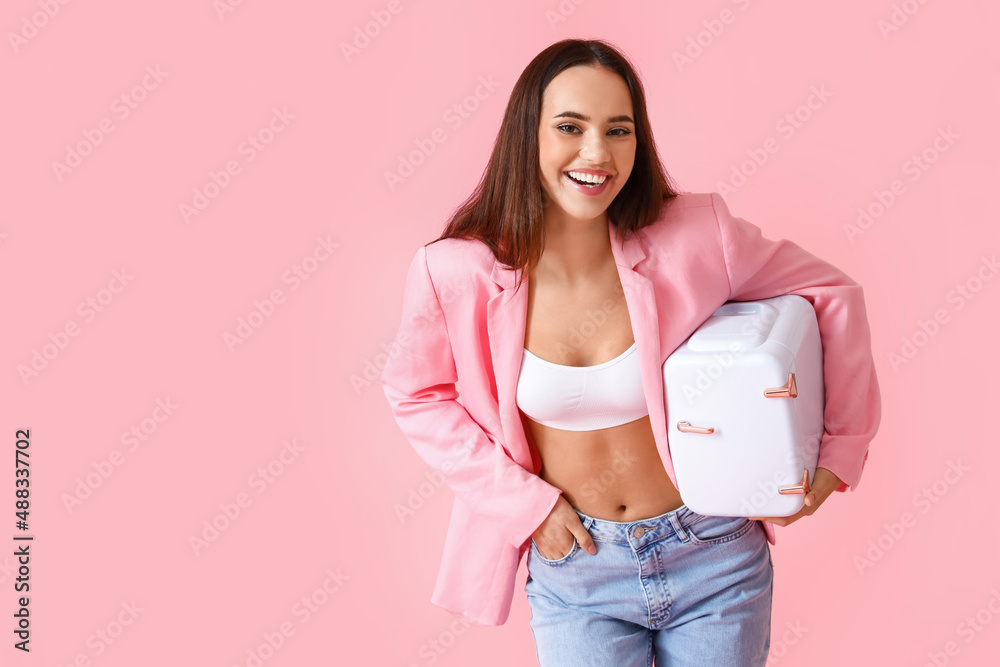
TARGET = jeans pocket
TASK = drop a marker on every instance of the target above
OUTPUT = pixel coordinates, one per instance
(558, 561)
(706, 529)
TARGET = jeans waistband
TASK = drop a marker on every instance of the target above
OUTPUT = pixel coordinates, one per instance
(640, 530)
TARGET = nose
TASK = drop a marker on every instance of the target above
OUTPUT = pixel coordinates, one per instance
(595, 148)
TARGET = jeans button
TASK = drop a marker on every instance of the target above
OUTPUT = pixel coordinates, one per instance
(639, 532)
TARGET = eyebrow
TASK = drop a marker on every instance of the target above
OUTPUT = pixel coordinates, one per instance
(580, 116)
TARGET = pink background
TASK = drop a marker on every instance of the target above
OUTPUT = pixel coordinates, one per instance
(305, 373)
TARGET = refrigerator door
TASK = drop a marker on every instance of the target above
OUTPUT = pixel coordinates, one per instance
(744, 401)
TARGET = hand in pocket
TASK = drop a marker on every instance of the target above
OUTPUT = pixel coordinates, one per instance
(554, 537)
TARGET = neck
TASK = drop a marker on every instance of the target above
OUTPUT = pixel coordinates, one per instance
(575, 249)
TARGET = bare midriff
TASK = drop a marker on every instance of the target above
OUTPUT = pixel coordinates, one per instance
(613, 473)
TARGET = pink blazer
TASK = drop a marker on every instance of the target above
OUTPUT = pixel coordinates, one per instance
(463, 323)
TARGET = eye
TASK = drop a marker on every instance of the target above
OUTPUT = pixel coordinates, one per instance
(618, 131)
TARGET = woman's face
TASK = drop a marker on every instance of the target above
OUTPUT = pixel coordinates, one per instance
(586, 126)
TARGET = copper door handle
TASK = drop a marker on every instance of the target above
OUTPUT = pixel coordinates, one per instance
(801, 487)
(686, 427)
(788, 391)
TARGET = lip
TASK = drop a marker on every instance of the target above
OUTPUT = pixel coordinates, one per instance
(593, 172)
(593, 192)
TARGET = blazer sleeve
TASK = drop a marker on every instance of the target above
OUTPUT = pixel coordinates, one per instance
(759, 268)
(419, 383)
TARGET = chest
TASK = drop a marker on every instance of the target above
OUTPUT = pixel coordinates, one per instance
(583, 325)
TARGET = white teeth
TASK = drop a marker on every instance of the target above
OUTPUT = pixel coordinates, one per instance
(588, 178)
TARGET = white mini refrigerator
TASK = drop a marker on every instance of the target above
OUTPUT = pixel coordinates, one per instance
(744, 400)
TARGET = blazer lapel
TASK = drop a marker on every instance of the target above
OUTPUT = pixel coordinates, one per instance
(641, 300)
(506, 318)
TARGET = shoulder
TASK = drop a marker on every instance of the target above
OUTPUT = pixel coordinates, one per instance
(687, 213)
(690, 200)
(458, 259)
(688, 205)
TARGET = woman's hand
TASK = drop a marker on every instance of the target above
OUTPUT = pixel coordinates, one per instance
(554, 538)
(824, 483)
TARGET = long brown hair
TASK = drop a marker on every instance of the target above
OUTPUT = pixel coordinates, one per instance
(505, 210)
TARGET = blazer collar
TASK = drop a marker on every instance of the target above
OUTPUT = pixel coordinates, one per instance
(506, 317)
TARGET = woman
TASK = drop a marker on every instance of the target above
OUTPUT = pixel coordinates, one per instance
(559, 447)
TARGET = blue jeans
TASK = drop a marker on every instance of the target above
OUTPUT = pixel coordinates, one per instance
(683, 587)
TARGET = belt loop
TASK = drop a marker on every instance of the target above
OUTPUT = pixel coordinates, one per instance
(678, 528)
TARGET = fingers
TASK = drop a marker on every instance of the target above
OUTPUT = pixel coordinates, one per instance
(565, 552)
(577, 532)
(585, 541)
(583, 537)
(562, 523)
(553, 541)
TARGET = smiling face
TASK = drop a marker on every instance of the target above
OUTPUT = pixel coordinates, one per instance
(586, 128)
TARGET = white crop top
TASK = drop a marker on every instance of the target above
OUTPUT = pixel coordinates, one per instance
(581, 398)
